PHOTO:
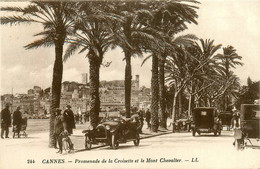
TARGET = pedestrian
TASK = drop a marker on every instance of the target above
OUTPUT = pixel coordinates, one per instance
(235, 121)
(17, 122)
(77, 118)
(60, 127)
(5, 121)
(85, 117)
(148, 118)
(80, 119)
(141, 120)
(68, 114)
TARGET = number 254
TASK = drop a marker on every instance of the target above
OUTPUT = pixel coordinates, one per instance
(30, 161)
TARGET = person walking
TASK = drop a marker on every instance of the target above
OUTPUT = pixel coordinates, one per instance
(148, 118)
(235, 121)
(17, 122)
(141, 120)
(5, 121)
(68, 114)
(60, 127)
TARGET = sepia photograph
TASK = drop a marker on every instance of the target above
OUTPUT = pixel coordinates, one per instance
(136, 84)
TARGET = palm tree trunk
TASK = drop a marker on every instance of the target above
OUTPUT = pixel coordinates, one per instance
(56, 89)
(191, 100)
(162, 112)
(174, 107)
(155, 94)
(128, 83)
(94, 68)
(180, 104)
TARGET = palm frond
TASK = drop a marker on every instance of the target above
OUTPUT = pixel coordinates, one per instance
(44, 42)
(145, 59)
(70, 51)
(13, 20)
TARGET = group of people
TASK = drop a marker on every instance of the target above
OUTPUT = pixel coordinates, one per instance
(63, 126)
(6, 121)
(141, 115)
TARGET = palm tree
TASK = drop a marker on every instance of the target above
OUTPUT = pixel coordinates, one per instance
(132, 34)
(91, 34)
(229, 59)
(204, 52)
(169, 18)
(57, 20)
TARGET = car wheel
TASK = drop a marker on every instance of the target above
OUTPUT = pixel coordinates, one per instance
(114, 142)
(193, 132)
(87, 143)
(137, 141)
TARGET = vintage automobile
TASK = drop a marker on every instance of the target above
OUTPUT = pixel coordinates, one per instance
(248, 134)
(226, 118)
(112, 131)
(182, 124)
(205, 120)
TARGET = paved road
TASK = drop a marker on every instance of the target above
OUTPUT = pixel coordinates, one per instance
(175, 150)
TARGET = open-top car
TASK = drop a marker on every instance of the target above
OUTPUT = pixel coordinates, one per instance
(182, 124)
(205, 120)
(112, 131)
(248, 134)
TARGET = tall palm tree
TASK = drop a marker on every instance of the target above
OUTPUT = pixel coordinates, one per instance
(204, 52)
(92, 35)
(169, 18)
(57, 20)
(229, 59)
(131, 34)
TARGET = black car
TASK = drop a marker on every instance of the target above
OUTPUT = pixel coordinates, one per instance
(205, 120)
(113, 131)
(226, 118)
(248, 134)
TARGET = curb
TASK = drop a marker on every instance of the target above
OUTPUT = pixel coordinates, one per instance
(142, 137)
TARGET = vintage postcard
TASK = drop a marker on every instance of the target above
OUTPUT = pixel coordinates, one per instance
(130, 84)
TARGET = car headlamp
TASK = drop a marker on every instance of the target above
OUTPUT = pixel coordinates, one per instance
(108, 127)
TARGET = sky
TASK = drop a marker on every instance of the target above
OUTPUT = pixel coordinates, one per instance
(227, 22)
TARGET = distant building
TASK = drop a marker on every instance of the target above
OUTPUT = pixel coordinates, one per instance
(77, 95)
(84, 78)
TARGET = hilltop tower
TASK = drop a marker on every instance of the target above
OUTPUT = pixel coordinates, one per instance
(137, 82)
(84, 78)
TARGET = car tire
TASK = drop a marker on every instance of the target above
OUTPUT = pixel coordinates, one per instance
(137, 141)
(87, 143)
(114, 142)
(193, 133)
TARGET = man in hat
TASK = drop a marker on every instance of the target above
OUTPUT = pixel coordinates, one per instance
(148, 118)
(5, 121)
(17, 121)
(69, 116)
(60, 127)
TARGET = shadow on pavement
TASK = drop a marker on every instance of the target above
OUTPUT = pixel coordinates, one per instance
(204, 135)
(123, 147)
